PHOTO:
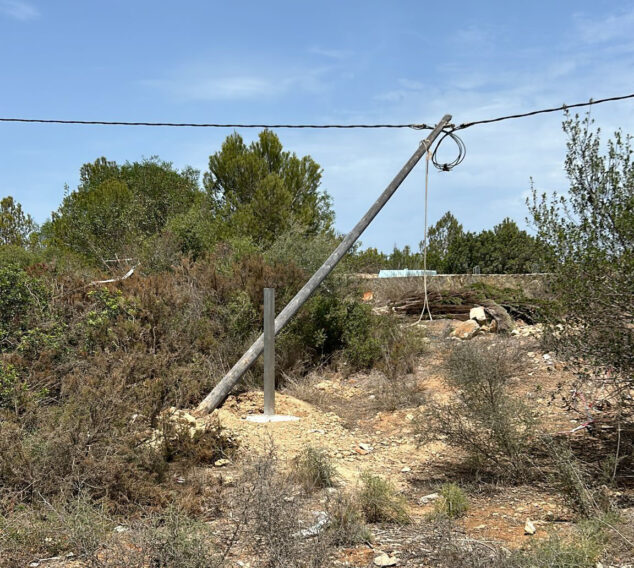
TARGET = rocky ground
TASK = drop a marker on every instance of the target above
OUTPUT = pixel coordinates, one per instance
(353, 419)
(365, 424)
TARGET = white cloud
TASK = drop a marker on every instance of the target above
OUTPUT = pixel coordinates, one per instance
(330, 53)
(612, 27)
(204, 83)
(19, 10)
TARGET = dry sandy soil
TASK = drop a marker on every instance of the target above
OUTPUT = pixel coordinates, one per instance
(363, 425)
(350, 418)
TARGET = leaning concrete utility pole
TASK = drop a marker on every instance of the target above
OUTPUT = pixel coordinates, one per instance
(217, 396)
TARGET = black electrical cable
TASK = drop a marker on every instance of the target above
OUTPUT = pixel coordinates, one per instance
(542, 111)
(462, 152)
(415, 126)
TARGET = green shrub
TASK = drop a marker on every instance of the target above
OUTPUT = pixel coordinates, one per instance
(169, 538)
(582, 550)
(18, 294)
(573, 480)
(314, 469)
(453, 502)
(346, 525)
(50, 529)
(483, 418)
(380, 502)
(15, 394)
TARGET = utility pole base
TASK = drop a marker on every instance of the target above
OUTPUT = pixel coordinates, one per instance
(265, 418)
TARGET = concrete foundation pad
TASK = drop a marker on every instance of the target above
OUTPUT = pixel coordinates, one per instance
(264, 418)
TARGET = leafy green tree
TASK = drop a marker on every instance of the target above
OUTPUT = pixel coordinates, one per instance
(261, 191)
(116, 207)
(509, 250)
(506, 249)
(401, 259)
(439, 238)
(590, 230)
(15, 226)
(368, 260)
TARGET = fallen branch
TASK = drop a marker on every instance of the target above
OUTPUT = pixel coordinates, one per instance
(109, 281)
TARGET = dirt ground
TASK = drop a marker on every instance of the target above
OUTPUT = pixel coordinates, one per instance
(365, 424)
(349, 418)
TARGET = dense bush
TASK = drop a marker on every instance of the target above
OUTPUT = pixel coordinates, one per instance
(19, 292)
(380, 501)
(483, 418)
(314, 469)
(453, 502)
(590, 229)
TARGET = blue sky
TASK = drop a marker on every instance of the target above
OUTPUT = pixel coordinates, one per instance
(293, 61)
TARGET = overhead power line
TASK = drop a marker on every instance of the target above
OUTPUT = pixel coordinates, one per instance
(415, 126)
(210, 125)
(591, 102)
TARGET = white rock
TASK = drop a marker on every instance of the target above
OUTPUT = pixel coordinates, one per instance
(320, 525)
(529, 527)
(466, 329)
(429, 498)
(366, 447)
(222, 462)
(385, 560)
(477, 313)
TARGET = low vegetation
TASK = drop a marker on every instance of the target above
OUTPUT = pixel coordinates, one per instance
(380, 501)
(313, 469)
(101, 462)
(453, 502)
(483, 419)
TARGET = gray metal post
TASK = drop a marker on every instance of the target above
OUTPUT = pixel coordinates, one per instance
(269, 351)
(223, 388)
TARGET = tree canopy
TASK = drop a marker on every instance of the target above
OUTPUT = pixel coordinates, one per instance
(590, 230)
(116, 207)
(261, 191)
(15, 225)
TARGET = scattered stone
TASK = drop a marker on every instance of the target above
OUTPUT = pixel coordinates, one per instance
(466, 330)
(428, 498)
(120, 529)
(477, 313)
(505, 323)
(366, 447)
(531, 354)
(529, 527)
(406, 469)
(323, 386)
(314, 530)
(385, 560)
(227, 480)
(222, 462)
